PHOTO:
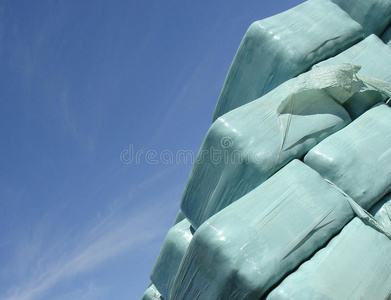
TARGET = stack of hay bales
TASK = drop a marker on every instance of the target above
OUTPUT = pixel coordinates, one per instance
(276, 204)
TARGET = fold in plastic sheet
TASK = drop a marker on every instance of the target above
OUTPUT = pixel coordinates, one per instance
(152, 294)
(386, 36)
(174, 247)
(382, 212)
(244, 250)
(356, 264)
(249, 144)
(373, 15)
(278, 48)
(358, 158)
(374, 57)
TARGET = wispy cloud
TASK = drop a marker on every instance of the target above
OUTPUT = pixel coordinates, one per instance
(106, 238)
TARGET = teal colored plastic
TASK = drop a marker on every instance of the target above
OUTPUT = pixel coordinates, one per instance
(278, 48)
(386, 36)
(249, 144)
(358, 158)
(354, 265)
(179, 217)
(174, 247)
(373, 15)
(374, 57)
(382, 212)
(245, 249)
(152, 294)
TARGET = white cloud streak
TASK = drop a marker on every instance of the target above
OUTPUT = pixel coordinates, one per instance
(116, 233)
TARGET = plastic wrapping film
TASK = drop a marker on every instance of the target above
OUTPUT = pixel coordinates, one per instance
(174, 247)
(374, 57)
(382, 212)
(356, 264)
(245, 249)
(152, 294)
(386, 36)
(179, 217)
(373, 15)
(280, 47)
(358, 158)
(249, 144)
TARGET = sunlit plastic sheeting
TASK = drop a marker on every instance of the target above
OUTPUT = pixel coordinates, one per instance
(386, 36)
(152, 294)
(247, 145)
(354, 265)
(179, 217)
(358, 158)
(245, 249)
(373, 15)
(278, 48)
(374, 57)
(170, 256)
(382, 212)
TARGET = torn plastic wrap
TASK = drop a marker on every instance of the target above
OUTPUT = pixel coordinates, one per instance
(245, 249)
(356, 264)
(386, 36)
(374, 57)
(170, 256)
(278, 48)
(358, 158)
(152, 294)
(249, 144)
(373, 15)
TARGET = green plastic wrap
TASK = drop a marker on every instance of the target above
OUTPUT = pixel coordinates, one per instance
(373, 15)
(174, 247)
(245, 249)
(374, 57)
(386, 36)
(179, 217)
(382, 212)
(249, 144)
(278, 48)
(152, 294)
(358, 158)
(356, 264)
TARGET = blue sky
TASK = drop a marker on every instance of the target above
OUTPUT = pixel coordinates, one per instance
(81, 83)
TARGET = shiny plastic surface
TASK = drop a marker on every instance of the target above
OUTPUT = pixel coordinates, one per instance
(278, 48)
(152, 294)
(242, 251)
(354, 265)
(373, 15)
(374, 57)
(179, 217)
(358, 158)
(174, 247)
(249, 144)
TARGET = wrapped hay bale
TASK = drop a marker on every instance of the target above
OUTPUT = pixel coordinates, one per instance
(152, 294)
(278, 48)
(373, 15)
(358, 158)
(174, 247)
(179, 217)
(374, 57)
(356, 264)
(249, 144)
(245, 249)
